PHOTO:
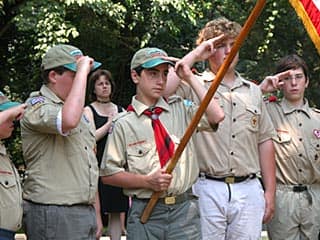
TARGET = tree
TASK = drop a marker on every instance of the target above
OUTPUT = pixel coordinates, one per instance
(112, 31)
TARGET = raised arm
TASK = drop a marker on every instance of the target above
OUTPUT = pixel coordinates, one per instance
(273, 83)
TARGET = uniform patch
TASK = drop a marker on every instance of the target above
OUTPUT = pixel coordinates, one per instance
(254, 121)
(187, 102)
(36, 100)
(316, 132)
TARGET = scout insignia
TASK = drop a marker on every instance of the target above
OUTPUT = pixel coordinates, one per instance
(36, 100)
(254, 121)
(316, 132)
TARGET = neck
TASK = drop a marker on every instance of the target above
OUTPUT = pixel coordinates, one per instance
(103, 101)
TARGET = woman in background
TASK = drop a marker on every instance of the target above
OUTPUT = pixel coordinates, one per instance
(101, 111)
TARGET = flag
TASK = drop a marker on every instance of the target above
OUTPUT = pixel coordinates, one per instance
(309, 12)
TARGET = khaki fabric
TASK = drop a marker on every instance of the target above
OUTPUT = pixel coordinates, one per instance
(10, 193)
(295, 218)
(297, 143)
(61, 168)
(131, 146)
(233, 148)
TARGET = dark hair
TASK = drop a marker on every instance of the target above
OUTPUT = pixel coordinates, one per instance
(138, 70)
(292, 61)
(94, 77)
(45, 73)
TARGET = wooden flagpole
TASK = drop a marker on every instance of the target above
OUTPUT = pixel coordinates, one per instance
(195, 120)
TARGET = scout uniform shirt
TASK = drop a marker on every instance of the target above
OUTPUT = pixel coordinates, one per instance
(297, 142)
(61, 168)
(233, 149)
(131, 146)
(10, 194)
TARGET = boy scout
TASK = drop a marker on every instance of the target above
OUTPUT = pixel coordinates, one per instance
(297, 147)
(133, 159)
(58, 147)
(10, 189)
(231, 199)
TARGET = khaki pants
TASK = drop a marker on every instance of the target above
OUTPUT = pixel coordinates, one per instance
(296, 218)
(52, 222)
(167, 222)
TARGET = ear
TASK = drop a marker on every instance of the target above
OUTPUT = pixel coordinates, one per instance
(307, 82)
(52, 77)
(135, 77)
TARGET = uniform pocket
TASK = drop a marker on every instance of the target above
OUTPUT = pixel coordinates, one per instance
(253, 117)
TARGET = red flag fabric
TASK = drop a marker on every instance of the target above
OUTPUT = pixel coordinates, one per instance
(309, 12)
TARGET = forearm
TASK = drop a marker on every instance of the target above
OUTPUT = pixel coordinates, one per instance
(268, 166)
(103, 130)
(126, 180)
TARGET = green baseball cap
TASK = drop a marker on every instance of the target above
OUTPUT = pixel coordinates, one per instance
(63, 55)
(5, 103)
(149, 58)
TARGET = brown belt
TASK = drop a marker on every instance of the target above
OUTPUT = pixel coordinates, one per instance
(170, 200)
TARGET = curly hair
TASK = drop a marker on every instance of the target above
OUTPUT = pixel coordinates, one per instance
(217, 27)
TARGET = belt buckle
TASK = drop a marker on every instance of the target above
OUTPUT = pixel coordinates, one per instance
(229, 179)
(170, 200)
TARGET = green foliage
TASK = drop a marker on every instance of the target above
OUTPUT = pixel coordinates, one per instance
(112, 31)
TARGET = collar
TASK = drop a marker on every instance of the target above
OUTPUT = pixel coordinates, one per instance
(3, 150)
(49, 94)
(287, 108)
(139, 107)
(209, 76)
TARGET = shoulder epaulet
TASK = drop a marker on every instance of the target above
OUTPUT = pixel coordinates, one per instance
(121, 115)
(173, 99)
(316, 110)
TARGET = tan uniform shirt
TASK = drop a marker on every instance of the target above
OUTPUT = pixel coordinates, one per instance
(297, 143)
(61, 168)
(131, 146)
(233, 149)
(10, 193)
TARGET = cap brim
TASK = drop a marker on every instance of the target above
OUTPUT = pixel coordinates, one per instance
(73, 66)
(8, 105)
(155, 62)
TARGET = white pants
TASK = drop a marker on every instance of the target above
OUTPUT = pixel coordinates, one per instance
(230, 211)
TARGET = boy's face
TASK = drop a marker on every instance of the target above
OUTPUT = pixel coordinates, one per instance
(63, 83)
(294, 86)
(222, 51)
(151, 83)
(6, 129)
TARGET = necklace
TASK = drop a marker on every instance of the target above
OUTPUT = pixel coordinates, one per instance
(100, 101)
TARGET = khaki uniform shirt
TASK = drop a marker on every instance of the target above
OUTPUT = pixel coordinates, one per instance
(61, 168)
(10, 193)
(297, 142)
(233, 149)
(131, 146)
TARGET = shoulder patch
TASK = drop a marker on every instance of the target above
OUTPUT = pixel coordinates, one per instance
(36, 100)
(188, 102)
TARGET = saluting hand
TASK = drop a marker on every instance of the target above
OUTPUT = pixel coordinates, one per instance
(273, 83)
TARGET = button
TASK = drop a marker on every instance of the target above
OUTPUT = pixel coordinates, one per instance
(6, 183)
(231, 153)
(300, 154)
(85, 147)
(316, 157)
(233, 136)
(234, 120)
(140, 151)
(300, 139)
(234, 104)
(300, 170)
(300, 124)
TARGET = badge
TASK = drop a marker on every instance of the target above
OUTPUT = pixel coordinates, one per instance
(316, 132)
(36, 100)
(254, 121)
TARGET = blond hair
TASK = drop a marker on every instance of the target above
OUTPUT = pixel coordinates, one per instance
(217, 27)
